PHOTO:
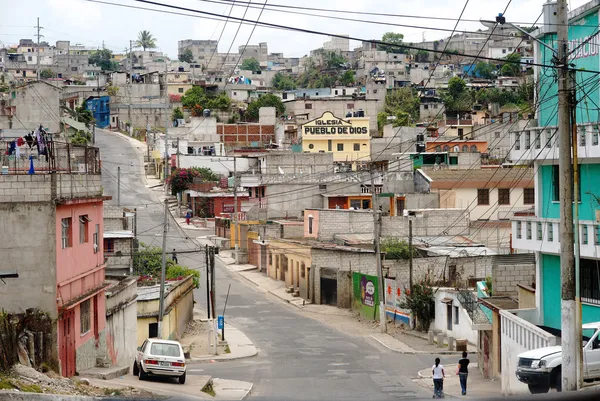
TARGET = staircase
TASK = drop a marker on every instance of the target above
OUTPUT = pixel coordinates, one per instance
(468, 300)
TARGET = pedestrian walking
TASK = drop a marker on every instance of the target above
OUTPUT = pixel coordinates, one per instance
(188, 216)
(438, 379)
(174, 256)
(463, 372)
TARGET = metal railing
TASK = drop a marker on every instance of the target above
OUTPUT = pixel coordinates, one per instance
(52, 157)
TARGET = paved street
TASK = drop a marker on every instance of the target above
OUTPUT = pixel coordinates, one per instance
(299, 357)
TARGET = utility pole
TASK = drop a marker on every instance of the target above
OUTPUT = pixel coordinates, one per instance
(136, 244)
(178, 153)
(118, 186)
(161, 300)
(410, 256)
(207, 283)
(130, 83)
(37, 70)
(94, 126)
(235, 209)
(213, 282)
(376, 234)
(570, 343)
(166, 96)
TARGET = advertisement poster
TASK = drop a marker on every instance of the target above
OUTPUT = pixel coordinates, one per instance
(365, 295)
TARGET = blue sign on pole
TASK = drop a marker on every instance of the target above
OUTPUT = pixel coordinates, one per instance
(220, 322)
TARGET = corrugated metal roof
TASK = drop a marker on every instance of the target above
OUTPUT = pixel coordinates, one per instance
(74, 124)
(516, 176)
(118, 234)
(150, 292)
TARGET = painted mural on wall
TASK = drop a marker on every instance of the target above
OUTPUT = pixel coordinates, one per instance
(394, 295)
(365, 295)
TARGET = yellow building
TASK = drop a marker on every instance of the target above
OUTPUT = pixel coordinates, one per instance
(178, 82)
(348, 139)
(290, 261)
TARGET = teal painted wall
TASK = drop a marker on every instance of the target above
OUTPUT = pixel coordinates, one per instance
(551, 295)
(590, 185)
(587, 57)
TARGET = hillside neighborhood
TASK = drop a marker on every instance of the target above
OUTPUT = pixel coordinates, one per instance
(325, 215)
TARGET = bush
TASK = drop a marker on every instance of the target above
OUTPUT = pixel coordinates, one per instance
(396, 249)
(177, 272)
(420, 301)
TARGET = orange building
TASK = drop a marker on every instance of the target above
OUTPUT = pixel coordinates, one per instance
(457, 146)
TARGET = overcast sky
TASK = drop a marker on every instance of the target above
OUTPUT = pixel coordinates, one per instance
(91, 23)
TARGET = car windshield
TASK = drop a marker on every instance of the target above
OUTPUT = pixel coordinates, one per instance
(163, 349)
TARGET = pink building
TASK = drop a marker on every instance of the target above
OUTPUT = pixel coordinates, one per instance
(51, 233)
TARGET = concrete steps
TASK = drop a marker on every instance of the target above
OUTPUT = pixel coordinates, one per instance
(105, 373)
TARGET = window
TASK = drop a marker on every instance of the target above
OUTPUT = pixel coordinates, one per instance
(584, 234)
(594, 136)
(529, 196)
(483, 196)
(73, 68)
(588, 280)
(180, 90)
(518, 142)
(527, 139)
(446, 148)
(308, 106)
(550, 232)
(528, 229)
(582, 135)
(164, 349)
(519, 230)
(329, 145)
(538, 141)
(355, 204)
(340, 147)
(374, 91)
(350, 106)
(311, 146)
(357, 147)
(425, 107)
(504, 196)
(109, 245)
(310, 224)
(497, 134)
(438, 148)
(539, 230)
(83, 229)
(503, 51)
(465, 148)
(596, 235)
(84, 316)
(473, 149)
(152, 330)
(455, 314)
(460, 133)
(28, 58)
(548, 138)
(97, 238)
(66, 233)
(435, 106)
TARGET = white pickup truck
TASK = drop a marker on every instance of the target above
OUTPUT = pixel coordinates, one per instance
(540, 368)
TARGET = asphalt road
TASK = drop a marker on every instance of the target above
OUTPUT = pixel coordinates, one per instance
(299, 357)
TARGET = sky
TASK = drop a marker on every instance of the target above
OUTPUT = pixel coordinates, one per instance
(92, 24)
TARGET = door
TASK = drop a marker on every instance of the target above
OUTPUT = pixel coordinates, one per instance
(400, 205)
(449, 316)
(67, 343)
(591, 357)
(95, 320)
(486, 354)
(328, 291)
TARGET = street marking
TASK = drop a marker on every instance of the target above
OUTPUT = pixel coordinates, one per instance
(195, 370)
(338, 364)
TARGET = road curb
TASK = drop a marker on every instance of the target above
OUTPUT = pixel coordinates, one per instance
(210, 359)
(415, 352)
(248, 392)
(133, 142)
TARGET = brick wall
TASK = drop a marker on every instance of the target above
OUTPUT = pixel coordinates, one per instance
(232, 134)
(47, 187)
(114, 261)
(506, 277)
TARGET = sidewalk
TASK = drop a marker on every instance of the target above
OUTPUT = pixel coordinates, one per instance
(478, 387)
(196, 341)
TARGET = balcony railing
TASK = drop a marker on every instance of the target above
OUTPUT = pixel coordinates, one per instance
(53, 157)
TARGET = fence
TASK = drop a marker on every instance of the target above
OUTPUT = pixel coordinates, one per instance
(55, 157)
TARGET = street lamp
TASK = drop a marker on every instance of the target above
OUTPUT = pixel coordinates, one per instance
(500, 19)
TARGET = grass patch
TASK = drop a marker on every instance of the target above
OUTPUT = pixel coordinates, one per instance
(227, 349)
(208, 389)
(5, 384)
(30, 388)
(112, 391)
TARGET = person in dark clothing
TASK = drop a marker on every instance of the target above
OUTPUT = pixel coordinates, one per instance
(463, 372)
(174, 256)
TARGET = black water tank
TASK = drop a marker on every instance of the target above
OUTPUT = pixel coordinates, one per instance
(206, 113)
(420, 147)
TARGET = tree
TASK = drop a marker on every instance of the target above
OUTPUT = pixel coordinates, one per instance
(267, 100)
(181, 178)
(396, 249)
(394, 39)
(187, 56)
(457, 97)
(512, 67)
(484, 70)
(145, 40)
(334, 61)
(422, 56)
(47, 73)
(80, 138)
(197, 96)
(148, 264)
(282, 82)
(177, 114)
(103, 58)
(251, 64)
(348, 78)
(421, 302)
(80, 114)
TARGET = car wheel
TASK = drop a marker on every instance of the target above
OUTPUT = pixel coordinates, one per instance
(142, 374)
(538, 388)
(135, 369)
(182, 379)
(558, 378)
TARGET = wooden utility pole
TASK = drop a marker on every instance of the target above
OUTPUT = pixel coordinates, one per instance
(376, 235)
(410, 257)
(130, 84)
(570, 343)
(207, 282)
(119, 186)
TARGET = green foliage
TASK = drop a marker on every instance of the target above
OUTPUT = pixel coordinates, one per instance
(3, 84)
(234, 118)
(457, 97)
(485, 70)
(488, 284)
(80, 138)
(333, 60)
(187, 56)
(47, 73)
(392, 38)
(512, 68)
(396, 249)
(177, 272)
(522, 98)
(250, 64)
(181, 178)
(381, 120)
(267, 100)
(403, 103)
(112, 90)
(177, 114)
(145, 40)
(422, 56)
(348, 78)
(148, 263)
(420, 301)
(103, 59)
(282, 82)
(197, 96)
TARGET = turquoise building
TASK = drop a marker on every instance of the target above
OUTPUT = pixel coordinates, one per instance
(539, 232)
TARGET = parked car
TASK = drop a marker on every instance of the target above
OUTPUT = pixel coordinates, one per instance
(158, 357)
(541, 368)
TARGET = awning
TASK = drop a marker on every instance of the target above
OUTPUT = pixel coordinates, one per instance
(446, 300)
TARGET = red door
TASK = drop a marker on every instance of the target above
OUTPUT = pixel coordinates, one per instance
(67, 343)
(96, 333)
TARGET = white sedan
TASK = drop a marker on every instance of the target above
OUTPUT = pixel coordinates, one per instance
(158, 357)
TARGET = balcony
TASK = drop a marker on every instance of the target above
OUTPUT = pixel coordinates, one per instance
(543, 235)
(255, 180)
(542, 143)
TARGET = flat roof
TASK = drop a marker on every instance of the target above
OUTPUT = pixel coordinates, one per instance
(483, 178)
(118, 234)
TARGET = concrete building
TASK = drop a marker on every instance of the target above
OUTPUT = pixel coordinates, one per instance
(201, 49)
(64, 225)
(121, 319)
(118, 241)
(179, 309)
(31, 105)
(337, 44)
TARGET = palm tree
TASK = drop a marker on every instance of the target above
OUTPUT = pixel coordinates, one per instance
(145, 40)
